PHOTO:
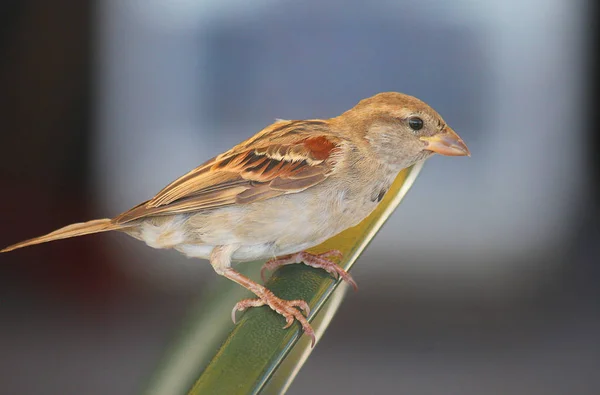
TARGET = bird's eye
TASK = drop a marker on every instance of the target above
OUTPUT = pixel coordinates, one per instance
(415, 123)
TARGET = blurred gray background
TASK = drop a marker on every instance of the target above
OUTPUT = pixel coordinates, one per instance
(483, 282)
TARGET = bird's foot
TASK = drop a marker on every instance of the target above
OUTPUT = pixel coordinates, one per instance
(287, 308)
(320, 261)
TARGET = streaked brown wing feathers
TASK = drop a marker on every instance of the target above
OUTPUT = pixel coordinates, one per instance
(244, 175)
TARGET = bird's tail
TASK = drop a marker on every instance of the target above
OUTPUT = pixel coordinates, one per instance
(73, 230)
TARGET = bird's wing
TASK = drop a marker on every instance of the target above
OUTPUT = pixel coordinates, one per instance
(286, 157)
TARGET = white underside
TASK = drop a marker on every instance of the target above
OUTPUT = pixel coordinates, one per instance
(171, 235)
(243, 253)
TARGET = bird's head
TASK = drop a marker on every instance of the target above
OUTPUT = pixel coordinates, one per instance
(401, 129)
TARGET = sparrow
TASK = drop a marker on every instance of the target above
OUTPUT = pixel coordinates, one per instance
(290, 187)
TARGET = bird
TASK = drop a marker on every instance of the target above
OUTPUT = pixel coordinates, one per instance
(291, 186)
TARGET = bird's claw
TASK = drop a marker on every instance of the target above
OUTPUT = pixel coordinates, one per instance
(290, 309)
(243, 305)
(320, 261)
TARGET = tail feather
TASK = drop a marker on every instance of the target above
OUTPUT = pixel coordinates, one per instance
(79, 229)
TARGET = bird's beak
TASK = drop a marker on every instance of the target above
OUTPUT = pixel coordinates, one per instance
(447, 143)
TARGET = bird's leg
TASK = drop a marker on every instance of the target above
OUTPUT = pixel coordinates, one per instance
(221, 258)
(320, 261)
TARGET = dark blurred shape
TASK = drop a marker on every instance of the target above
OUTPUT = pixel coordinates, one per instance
(45, 108)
